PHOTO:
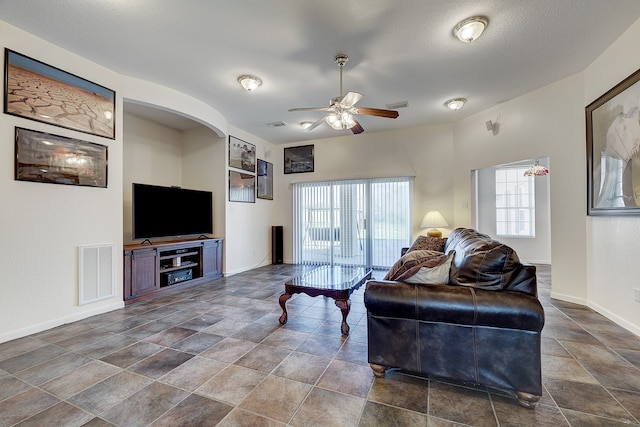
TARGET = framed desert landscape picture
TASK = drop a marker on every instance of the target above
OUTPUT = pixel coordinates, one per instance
(37, 91)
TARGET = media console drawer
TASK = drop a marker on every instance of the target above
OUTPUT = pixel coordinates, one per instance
(153, 268)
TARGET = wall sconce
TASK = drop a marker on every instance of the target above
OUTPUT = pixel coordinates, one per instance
(249, 82)
(433, 220)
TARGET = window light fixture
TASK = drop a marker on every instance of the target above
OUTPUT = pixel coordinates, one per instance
(249, 82)
(455, 104)
(471, 28)
(536, 170)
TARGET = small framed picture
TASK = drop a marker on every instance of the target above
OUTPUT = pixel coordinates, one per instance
(242, 155)
(43, 157)
(265, 180)
(242, 187)
(298, 159)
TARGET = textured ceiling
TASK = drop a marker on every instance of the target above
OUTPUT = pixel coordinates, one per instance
(399, 51)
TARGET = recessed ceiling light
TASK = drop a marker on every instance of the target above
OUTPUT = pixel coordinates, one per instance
(470, 29)
(455, 104)
(249, 82)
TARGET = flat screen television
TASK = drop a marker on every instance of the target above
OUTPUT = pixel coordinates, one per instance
(170, 211)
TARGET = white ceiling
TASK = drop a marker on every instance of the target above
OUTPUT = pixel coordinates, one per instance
(399, 51)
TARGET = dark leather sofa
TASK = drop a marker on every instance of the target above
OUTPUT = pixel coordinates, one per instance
(483, 327)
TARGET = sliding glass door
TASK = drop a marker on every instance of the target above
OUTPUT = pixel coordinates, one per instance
(358, 222)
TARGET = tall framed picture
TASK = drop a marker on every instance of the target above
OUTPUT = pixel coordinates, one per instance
(37, 91)
(242, 155)
(43, 157)
(265, 180)
(298, 159)
(613, 150)
(242, 187)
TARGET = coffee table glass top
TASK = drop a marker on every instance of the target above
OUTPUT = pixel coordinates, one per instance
(331, 277)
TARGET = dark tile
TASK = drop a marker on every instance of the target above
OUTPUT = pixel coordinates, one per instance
(263, 358)
(588, 398)
(241, 418)
(193, 373)
(378, 415)
(202, 322)
(194, 411)
(587, 420)
(82, 340)
(276, 398)
(61, 414)
(31, 358)
(10, 386)
(255, 332)
(24, 405)
(401, 390)
(302, 367)
(197, 343)
(170, 336)
(328, 408)
(622, 377)
(107, 346)
(19, 346)
(629, 399)
(460, 404)
(160, 363)
(347, 378)
(321, 346)
(132, 354)
(83, 377)
(145, 406)
(109, 392)
(52, 369)
(354, 352)
(232, 385)
(229, 350)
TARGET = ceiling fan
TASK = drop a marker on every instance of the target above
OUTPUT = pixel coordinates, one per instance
(341, 109)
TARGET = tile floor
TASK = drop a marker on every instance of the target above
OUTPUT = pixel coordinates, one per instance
(215, 354)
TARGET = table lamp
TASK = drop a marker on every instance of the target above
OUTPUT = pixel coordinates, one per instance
(433, 220)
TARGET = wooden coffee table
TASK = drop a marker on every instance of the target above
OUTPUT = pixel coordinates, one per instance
(335, 282)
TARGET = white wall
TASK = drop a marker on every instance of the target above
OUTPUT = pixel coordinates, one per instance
(248, 225)
(425, 153)
(535, 249)
(612, 242)
(42, 225)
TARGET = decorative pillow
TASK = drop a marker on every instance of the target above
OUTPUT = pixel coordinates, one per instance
(428, 243)
(414, 261)
(433, 275)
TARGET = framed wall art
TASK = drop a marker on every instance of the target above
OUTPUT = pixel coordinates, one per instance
(43, 157)
(298, 159)
(242, 187)
(613, 150)
(265, 180)
(37, 91)
(242, 155)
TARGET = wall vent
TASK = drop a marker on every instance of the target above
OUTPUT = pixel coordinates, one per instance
(276, 124)
(96, 273)
(398, 105)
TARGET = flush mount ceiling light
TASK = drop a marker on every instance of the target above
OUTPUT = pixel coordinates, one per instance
(470, 29)
(249, 82)
(305, 125)
(455, 104)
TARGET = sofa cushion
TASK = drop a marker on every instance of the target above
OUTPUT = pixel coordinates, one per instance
(428, 243)
(482, 262)
(438, 274)
(413, 262)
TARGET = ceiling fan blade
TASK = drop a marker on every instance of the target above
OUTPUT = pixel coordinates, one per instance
(350, 99)
(357, 128)
(391, 114)
(311, 109)
(314, 125)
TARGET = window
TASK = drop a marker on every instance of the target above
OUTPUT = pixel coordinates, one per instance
(515, 203)
(362, 222)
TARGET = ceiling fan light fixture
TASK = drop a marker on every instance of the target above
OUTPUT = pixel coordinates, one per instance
(455, 104)
(249, 83)
(471, 28)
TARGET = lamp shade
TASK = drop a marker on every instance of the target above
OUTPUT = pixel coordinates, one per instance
(432, 220)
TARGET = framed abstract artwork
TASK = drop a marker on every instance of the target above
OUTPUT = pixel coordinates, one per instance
(613, 150)
(43, 157)
(37, 91)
